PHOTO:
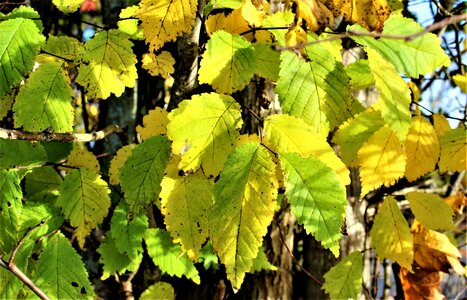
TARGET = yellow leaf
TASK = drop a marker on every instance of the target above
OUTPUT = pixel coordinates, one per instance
(251, 14)
(159, 65)
(390, 234)
(453, 150)
(457, 202)
(80, 157)
(129, 24)
(286, 133)
(316, 15)
(422, 149)
(424, 206)
(371, 14)
(233, 23)
(441, 124)
(382, 160)
(165, 20)
(154, 123)
(67, 6)
(296, 35)
(461, 81)
(117, 163)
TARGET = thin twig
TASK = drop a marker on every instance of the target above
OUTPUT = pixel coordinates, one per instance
(432, 113)
(264, 28)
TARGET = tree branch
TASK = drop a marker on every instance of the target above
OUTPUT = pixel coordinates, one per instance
(12, 134)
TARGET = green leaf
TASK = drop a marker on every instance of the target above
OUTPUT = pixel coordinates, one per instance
(109, 65)
(394, 99)
(60, 273)
(67, 6)
(204, 130)
(129, 24)
(15, 153)
(279, 19)
(42, 179)
(317, 198)
(355, 132)
(64, 46)
(185, 201)
(390, 234)
(286, 134)
(84, 201)
(56, 151)
(20, 41)
(315, 91)
(244, 206)
(159, 290)
(167, 255)
(45, 100)
(25, 12)
(208, 257)
(267, 61)
(412, 58)
(37, 212)
(424, 206)
(10, 209)
(115, 261)
(228, 63)
(344, 280)
(128, 231)
(261, 262)
(143, 171)
(360, 74)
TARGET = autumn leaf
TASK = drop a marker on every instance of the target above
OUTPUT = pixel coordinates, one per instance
(316, 15)
(344, 280)
(424, 206)
(67, 6)
(360, 74)
(461, 81)
(422, 284)
(83, 158)
(457, 202)
(159, 290)
(441, 124)
(154, 123)
(453, 150)
(159, 65)
(233, 22)
(117, 163)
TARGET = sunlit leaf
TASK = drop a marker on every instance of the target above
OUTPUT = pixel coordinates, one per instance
(289, 134)
(117, 163)
(461, 81)
(26, 12)
(159, 65)
(344, 280)
(381, 159)
(441, 124)
(251, 14)
(159, 290)
(453, 150)
(413, 58)
(67, 6)
(316, 197)
(261, 262)
(390, 234)
(279, 19)
(82, 158)
(63, 46)
(360, 74)
(45, 100)
(168, 256)
(394, 94)
(154, 123)
(10, 209)
(422, 148)
(109, 65)
(129, 24)
(244, 206)
(424, 206)
(204, 130)
(164, 21)
(60, 273)
(42, 179)
(315, 13)
(84, 201)
(233, 22)
(228, 63)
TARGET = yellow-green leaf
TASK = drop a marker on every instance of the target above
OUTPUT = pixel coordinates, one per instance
(289, 134)
(382, 160)
(117, 163)
(394, 98)
(204, 130)
(164, 21)
(159, 290)
(228, 63)
(413, 58)
(244, 206)
(261, 262)
(360, 74)
(129, 24)
(63, 46)
(422, 149)
(10, 209)
(344, 280)
(279, 19)
(159, 65)
(67, 6)
(267, 61)
(425, 206)
(45, 100)
(83, 158)
(185, 201)
(355, 132)
(316, 197)
(441, 124)
(84, 200)
(453, 150)
(109, 65)
(390, 234)
(154, 123)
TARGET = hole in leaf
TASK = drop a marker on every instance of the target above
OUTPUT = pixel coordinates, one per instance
(74, 284)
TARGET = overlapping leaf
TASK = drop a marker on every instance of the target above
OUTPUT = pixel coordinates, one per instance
(228, 63)
(289, 134)
(20, 41)
(142, 173)
(67, 6)
(453, 150)
(45, 100)
(118, 161)
(129, 24)
(159, 65)
(344, 280)
(316, 197)
(204, 130)
(83, 158)
(60, 273)
(64, 46)
(244, 206)
(185, 201)
(316, 91)
(42, 179)
(424, 206)
(167, 255)
(441, 124)
(154, 123)
(15, 153)
(84, 201)
(412, 58)
(382, 160)
(159, 290)
(261, 262)
(267, 61)
(10, 209)
(315, 13)
(109, 65)
(422, 148)
(164, 21)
